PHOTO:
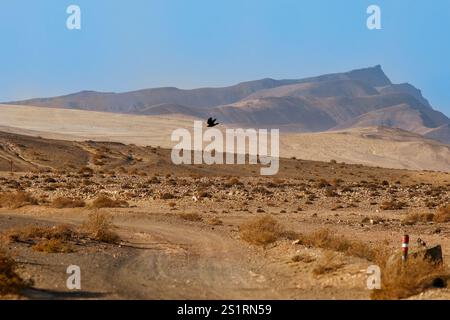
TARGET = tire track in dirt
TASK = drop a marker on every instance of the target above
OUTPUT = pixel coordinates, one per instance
(204, 265)
(176, 261)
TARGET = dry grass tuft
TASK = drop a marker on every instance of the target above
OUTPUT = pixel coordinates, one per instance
(392, 205)
(443, 214)
(399, 281)
(330, 262)
(63, 202)
(261, 231)
(31, 233)
(103, 201)
(99, 227)
(414, 218)
(305, 258)
(326, 239)
(10, 281)
(215, 221)
(15, 200)
(53, 246)
(172, 205)
(194, 217)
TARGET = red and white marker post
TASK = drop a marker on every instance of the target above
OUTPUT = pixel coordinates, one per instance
(405, 246)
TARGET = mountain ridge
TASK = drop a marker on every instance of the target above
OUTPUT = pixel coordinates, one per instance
(321, 103)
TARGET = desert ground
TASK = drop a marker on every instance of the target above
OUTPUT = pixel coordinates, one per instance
(371, 146)
(140, 227)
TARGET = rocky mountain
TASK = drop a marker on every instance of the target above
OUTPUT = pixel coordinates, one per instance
(359, 98)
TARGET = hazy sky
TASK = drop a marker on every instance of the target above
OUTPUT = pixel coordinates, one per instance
(135, 44)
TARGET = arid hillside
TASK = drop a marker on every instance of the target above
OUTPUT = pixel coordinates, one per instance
(358, 98)
(374, 146)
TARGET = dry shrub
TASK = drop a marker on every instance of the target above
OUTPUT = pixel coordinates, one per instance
(330, 192)
(194, 217)
(103, 201)
(392, 205)
(31, 233)
(10, 281)
(326, 239)
(261, 231)
(99, 227)
(443, 214)
(98, 162)
(233, 182)
(172, 204)
(336, 182)
(86, 172)
(63, 202)
(262, 190)
(328, 263)
(15, 200)
(414, 218)
(53, 246)
(402, 280)
(305, 258)
(215, 221)
(322, 183)
(167, 196)
(204, 194)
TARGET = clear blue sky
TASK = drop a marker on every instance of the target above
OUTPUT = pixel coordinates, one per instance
(135, 44)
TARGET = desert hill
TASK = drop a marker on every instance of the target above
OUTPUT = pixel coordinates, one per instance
(359, 98)
(373, 146)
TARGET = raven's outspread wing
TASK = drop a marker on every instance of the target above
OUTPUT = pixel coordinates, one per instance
(212, 122)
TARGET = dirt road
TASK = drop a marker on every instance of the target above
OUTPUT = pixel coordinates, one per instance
(161, 259)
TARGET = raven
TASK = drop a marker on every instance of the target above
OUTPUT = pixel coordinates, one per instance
(212, 122)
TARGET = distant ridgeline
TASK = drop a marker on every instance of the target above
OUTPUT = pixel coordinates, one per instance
(359, 98)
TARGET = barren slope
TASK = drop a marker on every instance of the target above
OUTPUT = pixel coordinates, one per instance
(375, 146)
(371, 146)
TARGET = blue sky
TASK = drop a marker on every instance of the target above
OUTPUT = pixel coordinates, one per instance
(129, 45)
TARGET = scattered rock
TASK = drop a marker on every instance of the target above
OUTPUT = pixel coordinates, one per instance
(433, 254)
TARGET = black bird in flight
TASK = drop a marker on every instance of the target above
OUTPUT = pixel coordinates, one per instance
(212, 122)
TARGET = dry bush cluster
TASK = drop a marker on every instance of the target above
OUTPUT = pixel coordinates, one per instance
(326, 239)
(63, 238)
(103, 201)
(55, 239)
(398, 280)
(393, 205)
(414, 218)
(215, 221)
(443, 214)
(401, 280)
(63, 202)
(15, 200)
(53, 246)
(10, 281)
(27, 233)
(330, 262)
(263, 231)
(99, 227)
(194, 217)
